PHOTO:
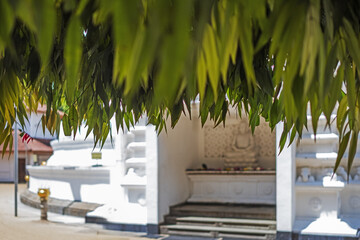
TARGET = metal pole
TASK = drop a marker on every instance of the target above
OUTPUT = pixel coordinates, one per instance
(16, 160)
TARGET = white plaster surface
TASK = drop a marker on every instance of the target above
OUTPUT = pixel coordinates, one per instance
(84, 184)
(247, 189)
(285, 184)
(346, 227)
(121, 213)
(152, 188)
(178, 150)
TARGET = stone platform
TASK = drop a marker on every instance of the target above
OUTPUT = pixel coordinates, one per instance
(225, 210)
(65, 207)
(225, 221)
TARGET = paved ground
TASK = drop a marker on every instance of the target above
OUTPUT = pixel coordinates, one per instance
(28, 226)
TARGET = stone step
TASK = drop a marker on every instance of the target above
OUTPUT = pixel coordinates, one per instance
(230, 221)
(142, 122)
(317, 148)
(322, 159)
(136, 149)
(60, 206)
(191, 235)
(214, 230)
(313, 159)
(322, 127)
(138, 130)
(135, 161)
(137, 146)
(325, 142)
(133, 180)
(224, 211)
(320, 138)
(137, 134)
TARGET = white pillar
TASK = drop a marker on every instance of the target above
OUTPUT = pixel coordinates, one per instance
(285, 183)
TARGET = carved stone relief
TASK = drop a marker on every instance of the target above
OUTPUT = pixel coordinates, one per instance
(324, 174)
(217, 141)
(354, 202)
(315, 204)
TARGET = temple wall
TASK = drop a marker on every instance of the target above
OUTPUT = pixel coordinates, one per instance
(190, 145)
(213, 143)
(177, 151)
(81, 184)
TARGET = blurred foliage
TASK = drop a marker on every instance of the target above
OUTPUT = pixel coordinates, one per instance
(99, 59)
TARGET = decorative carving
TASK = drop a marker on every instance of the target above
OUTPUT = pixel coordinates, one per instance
(342, 174)
(315, 204)
(357, 175)
(305, 176)
(267, 190)
(236, 189)
(216, 140)
(354, 202)
(136, 171)
(241, 152)
(328, 175)
(142, 200)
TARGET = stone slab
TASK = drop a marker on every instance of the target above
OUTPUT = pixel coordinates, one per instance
(65, 207)
(225, 210)
(80, 208)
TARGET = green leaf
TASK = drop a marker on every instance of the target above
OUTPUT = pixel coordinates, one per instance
(247, 47)
(45, 20)
(72, 56)
(351, 93)
(342, 148)
(352, 42)
(6, 143)
(66, 125)
(201, 74)
(211, 58)
(119, 118)
(7, 19)
(11, 142)
(43, 123)
(283, 140)
(292, 136)
(341, 114)
(315, 113)
(125, 22)
(81, 6)
(352, 151)
(176, 113)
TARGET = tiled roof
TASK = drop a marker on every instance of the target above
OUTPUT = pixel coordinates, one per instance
(34, 146)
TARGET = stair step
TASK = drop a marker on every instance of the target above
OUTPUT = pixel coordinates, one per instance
(136, 145)
(185, 233)
(136, 149)
(320, 138)
(322, 120)
(314, 155)
(243, 236)
(224, 211)
(226, 220)
(135, 161)
(218, 229)
(212, 235)
(138, 133)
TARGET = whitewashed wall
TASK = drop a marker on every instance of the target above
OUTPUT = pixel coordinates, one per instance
(178, 150)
